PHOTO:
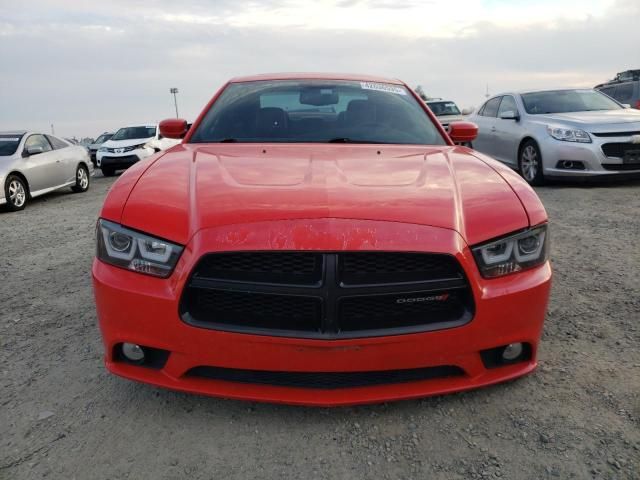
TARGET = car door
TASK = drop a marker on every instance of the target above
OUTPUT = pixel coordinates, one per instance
(508, 131)
(486, 121)
(67, 158)
(41, 169)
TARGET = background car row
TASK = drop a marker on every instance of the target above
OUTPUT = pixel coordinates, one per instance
(560, 134)
(32, 164)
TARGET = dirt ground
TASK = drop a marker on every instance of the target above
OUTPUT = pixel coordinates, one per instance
(578, 416)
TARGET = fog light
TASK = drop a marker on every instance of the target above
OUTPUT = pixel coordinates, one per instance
(512, 351)
(133, 352)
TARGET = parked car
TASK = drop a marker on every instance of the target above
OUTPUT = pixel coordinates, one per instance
(559, 134)
(93, 147)
(624, 88)
(446, 111)
(320, 240)
(32, 164)
(130, 145)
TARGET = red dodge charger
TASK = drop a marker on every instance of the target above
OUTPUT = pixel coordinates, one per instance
(320, 240)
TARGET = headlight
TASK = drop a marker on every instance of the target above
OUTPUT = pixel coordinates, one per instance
(569, 135)
(102, 149)
(512, 254)
(135, 251)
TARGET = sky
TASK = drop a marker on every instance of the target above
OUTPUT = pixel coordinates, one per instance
(89, 67)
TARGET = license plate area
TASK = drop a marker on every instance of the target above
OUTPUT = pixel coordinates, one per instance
(631, 157)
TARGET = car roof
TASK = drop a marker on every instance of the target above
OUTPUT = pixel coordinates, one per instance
(316, 76)
(13, 132)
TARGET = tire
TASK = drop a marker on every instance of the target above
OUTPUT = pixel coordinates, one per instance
(530, 163)
(82, 179)
(108, 171)
(16, 193)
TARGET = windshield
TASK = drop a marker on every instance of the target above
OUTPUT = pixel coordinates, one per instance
(104, 137)
(131, 133)
(562, 101)
(320, 111)
(9, 144)
(443, 108)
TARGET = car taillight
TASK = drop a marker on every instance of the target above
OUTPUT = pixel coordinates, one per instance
(637, 105)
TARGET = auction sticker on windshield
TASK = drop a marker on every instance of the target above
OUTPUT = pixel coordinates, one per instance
(383, 87)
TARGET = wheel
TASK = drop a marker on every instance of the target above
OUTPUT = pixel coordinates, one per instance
(530, 163)
(82, 179)
(108, 171)
(15, 192)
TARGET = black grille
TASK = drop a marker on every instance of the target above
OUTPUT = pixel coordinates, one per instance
(621, 150)
(361, 268)
(399, 310)
(327, 295)
(621, 167)
(269, 267)
(325, 380)
(124, 160)
(615, 134)
(257, 310)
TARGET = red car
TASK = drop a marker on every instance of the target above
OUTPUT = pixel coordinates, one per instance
(320, 240)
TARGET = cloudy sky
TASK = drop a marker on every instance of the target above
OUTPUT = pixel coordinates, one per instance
(87, 67)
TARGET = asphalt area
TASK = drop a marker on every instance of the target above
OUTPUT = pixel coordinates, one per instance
(578, 416)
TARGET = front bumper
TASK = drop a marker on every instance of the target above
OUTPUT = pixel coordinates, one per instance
(144, 310)
(123, 160)
(595, 162)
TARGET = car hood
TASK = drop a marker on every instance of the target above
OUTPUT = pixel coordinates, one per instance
(450, 118)
(125, 143)
(595, 121)
(195, 187)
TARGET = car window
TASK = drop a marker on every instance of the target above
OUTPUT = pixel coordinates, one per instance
(624, 93)
(443, 108)
(608, 90)
(508, 104)
(9, 144)
(103, 138)
(562, 101)
(56, 142)
(37, 141)
(320, 111)
(491, 107)
(132, 133)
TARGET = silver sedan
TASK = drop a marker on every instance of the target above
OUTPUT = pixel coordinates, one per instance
(560, 134)
(32, 164)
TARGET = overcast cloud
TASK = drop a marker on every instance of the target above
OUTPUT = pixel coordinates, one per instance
(97, 67)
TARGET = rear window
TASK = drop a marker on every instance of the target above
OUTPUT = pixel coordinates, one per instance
(9, 144)
(318, 111)
(563, 101)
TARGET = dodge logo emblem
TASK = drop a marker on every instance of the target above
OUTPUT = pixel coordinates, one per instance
(432, 298)
(635, 139)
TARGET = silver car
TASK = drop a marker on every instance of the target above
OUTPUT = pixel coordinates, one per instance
(559, 134)
(32, 164)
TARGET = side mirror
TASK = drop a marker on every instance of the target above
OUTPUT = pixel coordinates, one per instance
(173, 128)
(467, 111)
(463, 132)
(35, 150)
(510, 115)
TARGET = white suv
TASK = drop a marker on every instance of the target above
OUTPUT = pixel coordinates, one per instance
(445, 111)
(130, 145)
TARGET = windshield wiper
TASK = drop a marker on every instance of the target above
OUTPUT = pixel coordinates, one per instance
(228, 140)
(350, 140)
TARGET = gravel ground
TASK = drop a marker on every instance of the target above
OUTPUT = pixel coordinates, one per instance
(63, 417)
